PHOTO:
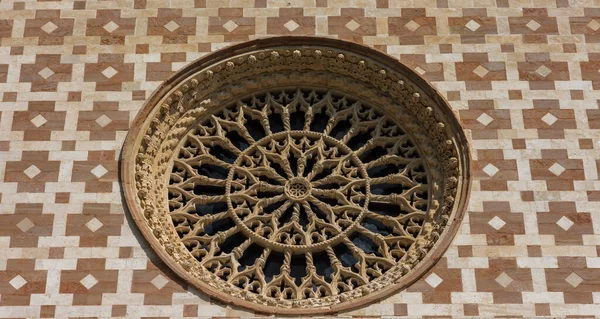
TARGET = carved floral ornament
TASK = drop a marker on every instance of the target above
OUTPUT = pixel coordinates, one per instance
(297, 175)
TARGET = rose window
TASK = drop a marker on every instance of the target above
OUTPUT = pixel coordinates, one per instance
(297, 178)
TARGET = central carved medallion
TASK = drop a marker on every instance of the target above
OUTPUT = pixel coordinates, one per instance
(297, 189)
(301, 178)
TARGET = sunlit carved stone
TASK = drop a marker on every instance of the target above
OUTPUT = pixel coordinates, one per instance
(297, 175)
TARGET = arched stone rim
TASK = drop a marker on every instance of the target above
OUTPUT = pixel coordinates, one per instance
(418, 84)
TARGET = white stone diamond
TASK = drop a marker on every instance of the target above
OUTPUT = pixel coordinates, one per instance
(504, 280)
(32, 171)
(594, 25)
(434, 280)
(49, 27)
(103, 120)
(549, 119)
(574, 280)
(420, 71)
(533, 25)
(556, 169)
(485, 119)
(230, 26)
(159, 281)
(109, 72)
(412, 25)
(99, 171)
(481, 71)
(352, 25)
(39, 120)
(565, 223)
(473, 25)
(110, 27)
(543, 71)
(46, 72)
(89, 281)
(490, 170)
(172, 26)
(25, 224)
(497, 223)
(17, 282)
(94, 224)
(291, 25)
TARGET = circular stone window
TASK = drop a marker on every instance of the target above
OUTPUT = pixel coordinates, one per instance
(297, 175)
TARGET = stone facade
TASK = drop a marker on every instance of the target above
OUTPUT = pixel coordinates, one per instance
(521, 76)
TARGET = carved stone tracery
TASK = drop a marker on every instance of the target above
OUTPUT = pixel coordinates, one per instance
(303, 177)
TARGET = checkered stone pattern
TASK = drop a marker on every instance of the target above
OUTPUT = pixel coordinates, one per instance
(523, 77)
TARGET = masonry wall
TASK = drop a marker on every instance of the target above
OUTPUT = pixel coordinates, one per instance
(522, 77)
